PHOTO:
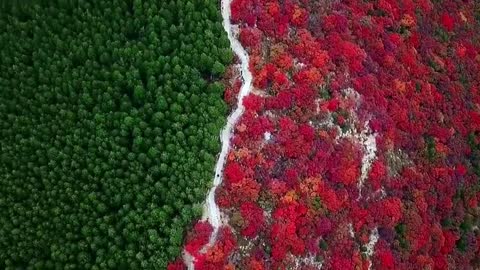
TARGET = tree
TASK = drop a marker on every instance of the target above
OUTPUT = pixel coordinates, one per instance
(218, 69)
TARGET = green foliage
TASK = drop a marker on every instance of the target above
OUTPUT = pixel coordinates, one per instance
(401, 231)
(475, 155)
(431, 152)
(323, 245)
(218, 68)
(109, 130)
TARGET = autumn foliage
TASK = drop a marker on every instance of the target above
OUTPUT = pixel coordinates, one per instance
(301, 185)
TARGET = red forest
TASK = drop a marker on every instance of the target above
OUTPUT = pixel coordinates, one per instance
(360, 145)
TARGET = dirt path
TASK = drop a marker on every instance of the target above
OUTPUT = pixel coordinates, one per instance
(211, 210)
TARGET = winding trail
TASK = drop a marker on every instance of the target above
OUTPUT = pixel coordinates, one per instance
(211, 210)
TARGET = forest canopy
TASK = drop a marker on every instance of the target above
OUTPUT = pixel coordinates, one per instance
(110, 113)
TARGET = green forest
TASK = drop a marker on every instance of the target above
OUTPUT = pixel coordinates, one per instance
(110, 118)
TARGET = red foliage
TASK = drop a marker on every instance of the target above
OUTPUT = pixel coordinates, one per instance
(378, 174)
(201, 234)
(297, 187)
(253, 215)
(449, 243)
(216, 256)
(384, 260)
(448, 22)
(233, 173)
(298, 16)
(176, 265)
(344, 165)
(255, 264)
(283, 233)
(250, 37)
(461, 169)
(389, 212)
(284, 61)
(332, 201)
(243, 191)
(333, 104)
(253, 103)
